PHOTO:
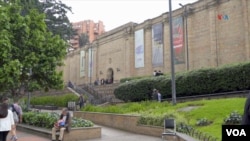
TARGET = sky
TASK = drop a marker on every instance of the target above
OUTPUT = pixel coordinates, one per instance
(114, 13)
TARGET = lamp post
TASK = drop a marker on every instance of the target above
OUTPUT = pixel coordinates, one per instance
(186, 32)
(172, 53)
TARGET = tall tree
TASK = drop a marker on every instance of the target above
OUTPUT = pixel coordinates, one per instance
(56, 15)
(56, 18)
(83, 39)
(25, 45)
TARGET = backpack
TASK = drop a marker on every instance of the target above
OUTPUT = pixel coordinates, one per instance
(15, 113)
(3, 110)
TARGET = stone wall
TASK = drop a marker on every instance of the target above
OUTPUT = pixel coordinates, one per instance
(123, 122)
(217, 34)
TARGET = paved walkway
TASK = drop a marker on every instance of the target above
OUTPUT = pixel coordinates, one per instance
(108, 134)
(24, 136)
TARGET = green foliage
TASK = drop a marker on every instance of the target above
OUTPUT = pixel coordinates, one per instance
(47, 120)
(233, 119)
(153, 113)
(60, 101)
(131, 78)
(197, 82)
(131, 108)
(156, 119)
(30, 54)
(83, 39)
(56, 15)
(79, 122)
(203, 122)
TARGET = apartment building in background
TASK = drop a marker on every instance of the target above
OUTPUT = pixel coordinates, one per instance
(88, 27)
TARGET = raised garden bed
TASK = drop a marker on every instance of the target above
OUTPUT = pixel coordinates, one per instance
(75, 134)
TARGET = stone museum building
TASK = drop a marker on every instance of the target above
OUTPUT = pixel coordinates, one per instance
(207, 33)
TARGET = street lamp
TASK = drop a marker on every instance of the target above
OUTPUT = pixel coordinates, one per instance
(186, 32)
(172, 53)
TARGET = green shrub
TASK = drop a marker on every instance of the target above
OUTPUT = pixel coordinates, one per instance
(60, 101)
(203, 122)
(197, 82)
(47, 120)
(131, 78)
(158, 119)
(233, 118)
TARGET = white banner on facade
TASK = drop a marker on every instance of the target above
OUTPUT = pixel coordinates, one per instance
(82, 63)
(90, 62)
(139, 48)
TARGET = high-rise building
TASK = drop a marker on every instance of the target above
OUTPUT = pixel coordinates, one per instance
(88, 27)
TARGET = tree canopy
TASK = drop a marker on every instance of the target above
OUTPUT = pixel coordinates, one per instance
(26, 46)
(55, 15)
(83, 39)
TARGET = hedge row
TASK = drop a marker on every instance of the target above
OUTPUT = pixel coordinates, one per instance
(131, 78)
(203, 81)
(55, 100)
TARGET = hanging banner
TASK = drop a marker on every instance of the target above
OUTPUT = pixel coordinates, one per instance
(90, 62)
(179, 49)
(82, 63)
(139, 48)
(157, 45)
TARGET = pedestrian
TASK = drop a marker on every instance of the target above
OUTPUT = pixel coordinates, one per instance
(6, 121)
(81, 101)
(63, 123)
(246, 114)
(159, 96)
(154, 94)
(17, 116)
(154, 73)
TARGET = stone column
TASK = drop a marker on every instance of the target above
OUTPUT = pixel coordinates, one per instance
(213, 37)
(148, 48)
(166, 45)
(246, 19)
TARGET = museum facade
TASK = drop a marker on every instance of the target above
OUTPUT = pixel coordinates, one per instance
(207, 33)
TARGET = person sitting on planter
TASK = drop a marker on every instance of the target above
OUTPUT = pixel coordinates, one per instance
(63, 123)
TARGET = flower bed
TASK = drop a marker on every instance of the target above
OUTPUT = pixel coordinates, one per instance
(47, 120)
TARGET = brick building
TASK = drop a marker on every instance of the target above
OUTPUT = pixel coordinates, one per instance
(88, 27)
(207, 33)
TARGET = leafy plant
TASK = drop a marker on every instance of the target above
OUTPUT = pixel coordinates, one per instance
(233, 118)
(47, 120)
(78, 122)
(203, 122)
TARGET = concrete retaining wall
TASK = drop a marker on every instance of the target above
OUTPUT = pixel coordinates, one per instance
(75, 134)
(123, 122)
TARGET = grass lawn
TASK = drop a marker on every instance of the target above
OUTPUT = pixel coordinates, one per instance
(215, 110)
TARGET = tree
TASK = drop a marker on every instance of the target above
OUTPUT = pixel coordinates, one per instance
(83, 39)
(56, 19)
(25, 45)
